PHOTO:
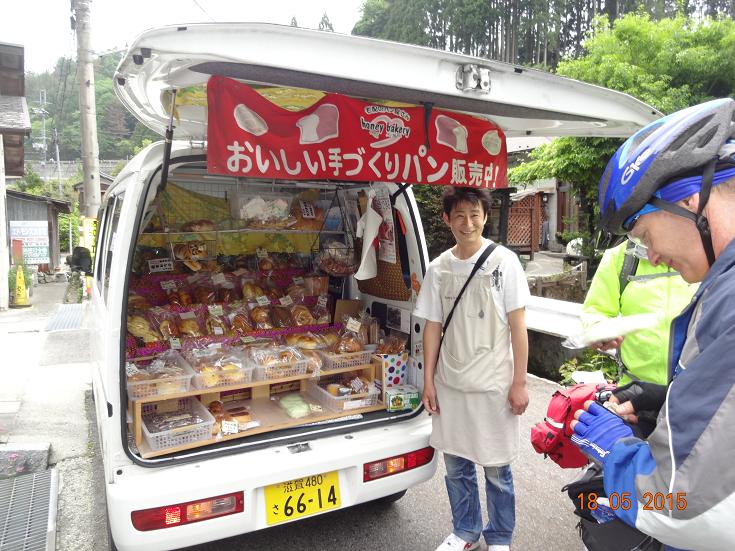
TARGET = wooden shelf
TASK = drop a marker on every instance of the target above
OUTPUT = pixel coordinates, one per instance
(277, 420)
(242, 230)
(271, 416)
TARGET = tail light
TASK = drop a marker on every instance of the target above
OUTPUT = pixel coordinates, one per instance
(397, 464)
(186, 513)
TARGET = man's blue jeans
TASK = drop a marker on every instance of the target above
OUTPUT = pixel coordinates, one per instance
(464, 498)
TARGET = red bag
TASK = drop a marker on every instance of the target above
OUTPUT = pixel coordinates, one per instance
(552, 436)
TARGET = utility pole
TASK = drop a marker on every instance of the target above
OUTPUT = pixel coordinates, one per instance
(87, 110)
(58, 166)
(4, 263)
(41, 111)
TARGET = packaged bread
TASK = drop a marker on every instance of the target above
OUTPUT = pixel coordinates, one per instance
(308, 341)
(166, 374)
(278, 357)
(190, 324)
(295, 406)
(161, 422)
(261, 316)
(139, 327)
(301, 315)
(138, 303)
(239, 318)
(315, 360)
(320, 311)
(251, 291)
(215, 323)
(308, 216)
(393, 344)
(217, 367)
(282, 317)
(166, 323)
(204, 295)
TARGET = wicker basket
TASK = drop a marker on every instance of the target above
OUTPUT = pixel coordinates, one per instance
(342, 403)
(183, 435)
(344, 361)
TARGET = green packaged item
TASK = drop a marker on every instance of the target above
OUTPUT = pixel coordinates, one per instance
(295, 406)
(401, 397)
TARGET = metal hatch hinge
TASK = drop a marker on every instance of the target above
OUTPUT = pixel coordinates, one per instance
(473, 77)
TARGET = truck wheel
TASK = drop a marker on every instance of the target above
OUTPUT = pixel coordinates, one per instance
(387, 500)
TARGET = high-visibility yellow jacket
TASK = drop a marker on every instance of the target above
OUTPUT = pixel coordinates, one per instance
(644, 353)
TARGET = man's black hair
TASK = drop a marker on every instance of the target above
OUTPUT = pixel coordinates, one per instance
(454, 195)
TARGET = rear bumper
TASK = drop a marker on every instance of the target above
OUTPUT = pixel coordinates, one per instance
(142, 488)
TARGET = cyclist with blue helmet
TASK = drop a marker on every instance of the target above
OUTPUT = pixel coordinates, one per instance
(671, 187)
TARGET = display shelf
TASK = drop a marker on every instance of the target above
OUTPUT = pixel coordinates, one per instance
(271, 416)
(136, 406)
(241, 230)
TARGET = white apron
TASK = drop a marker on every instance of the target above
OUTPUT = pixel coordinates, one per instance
(474, 372)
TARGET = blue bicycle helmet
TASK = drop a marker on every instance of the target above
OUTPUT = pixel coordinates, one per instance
(668, 160)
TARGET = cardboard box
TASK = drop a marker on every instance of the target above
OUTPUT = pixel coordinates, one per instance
(349, 307)
(391, 368)
(401, 398)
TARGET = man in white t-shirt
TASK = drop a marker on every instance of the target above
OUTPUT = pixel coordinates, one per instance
(475, 378)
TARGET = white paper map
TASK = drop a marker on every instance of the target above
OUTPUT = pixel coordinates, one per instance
(611, 328)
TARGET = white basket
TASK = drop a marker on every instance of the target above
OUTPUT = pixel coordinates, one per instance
(183, 435)
(223, 378)
(340, 361)
(162, 386)
(263, 373)
(342, 403)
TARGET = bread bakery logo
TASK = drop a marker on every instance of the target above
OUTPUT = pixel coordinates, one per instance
(388, 127)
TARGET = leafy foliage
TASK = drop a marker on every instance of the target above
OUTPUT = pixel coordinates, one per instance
(438, 236)
(591, 360)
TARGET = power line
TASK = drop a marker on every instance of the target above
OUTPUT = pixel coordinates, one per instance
(204, 11)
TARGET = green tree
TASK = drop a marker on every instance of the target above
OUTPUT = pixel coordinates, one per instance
(670, 64)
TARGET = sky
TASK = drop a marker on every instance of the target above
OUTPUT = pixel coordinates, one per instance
(43, 28)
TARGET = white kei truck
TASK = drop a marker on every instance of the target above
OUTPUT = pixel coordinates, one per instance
(172, 492)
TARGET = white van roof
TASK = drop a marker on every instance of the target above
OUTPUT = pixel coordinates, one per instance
(524, 102)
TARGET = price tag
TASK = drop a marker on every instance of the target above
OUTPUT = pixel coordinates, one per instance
(353, 325)
(247, 339)
(215, 309)
(187, 315)
(160, 265)
(322, 301)
(298, 280)
(218, 331)
(307, 210)
(260, 252)
(263, 300)
(219, 278)
(168, 285)
(229, 427)
(239, 272)
(175, 343)
(286, 301)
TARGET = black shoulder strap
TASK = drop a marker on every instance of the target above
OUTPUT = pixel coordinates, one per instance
(480, 261)
(630, 266)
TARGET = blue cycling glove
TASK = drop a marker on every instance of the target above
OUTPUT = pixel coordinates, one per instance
(597, 430)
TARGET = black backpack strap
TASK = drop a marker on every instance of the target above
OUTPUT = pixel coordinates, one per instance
(480, 261)
(630, 266)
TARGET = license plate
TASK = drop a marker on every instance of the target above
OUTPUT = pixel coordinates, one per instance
(301, 497)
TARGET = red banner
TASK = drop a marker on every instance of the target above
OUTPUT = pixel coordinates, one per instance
(340, 138)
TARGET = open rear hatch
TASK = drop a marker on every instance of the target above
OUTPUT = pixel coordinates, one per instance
(239, 280)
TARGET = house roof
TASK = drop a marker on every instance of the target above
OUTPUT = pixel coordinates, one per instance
(59, 204)
(15, 122)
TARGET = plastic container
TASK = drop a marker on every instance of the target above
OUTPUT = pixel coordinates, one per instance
(344, 361)
(342, 403)
(265, 370)
(160, 382)
(219, 367)
(182, 435)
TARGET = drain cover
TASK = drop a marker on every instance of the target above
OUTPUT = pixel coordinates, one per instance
(68, 316)
(28, 512)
